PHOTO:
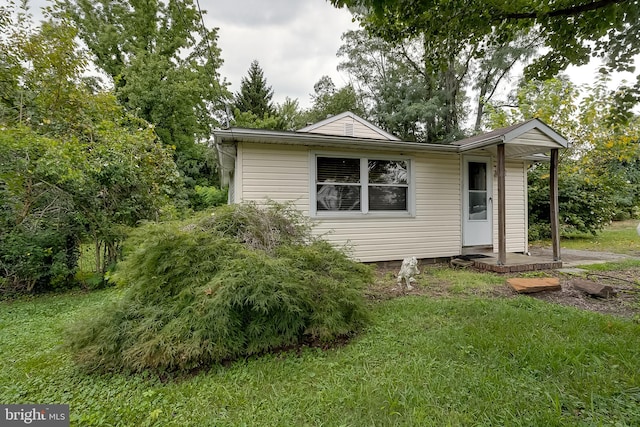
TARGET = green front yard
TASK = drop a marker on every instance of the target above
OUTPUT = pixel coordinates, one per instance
(620, 237)
(423, 361)
(473, 355)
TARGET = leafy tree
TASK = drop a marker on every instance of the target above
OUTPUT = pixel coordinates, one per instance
(598, 175)
(73, 188)
(554, 101)
(290, 115)
(401, 95)
(164, 65)
(72, 162)
(255, 95)
(249, 120)
(328, 101)
(39, 232)
(286, 116)
(611, 146)
(571, 31)
(493, 64)
(409, 94)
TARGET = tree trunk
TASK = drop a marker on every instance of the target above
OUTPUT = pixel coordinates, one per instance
(480, 112)
(98, 244)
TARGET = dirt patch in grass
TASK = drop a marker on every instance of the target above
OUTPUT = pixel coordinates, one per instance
(442, 280)
(436, 280)
(625, 303)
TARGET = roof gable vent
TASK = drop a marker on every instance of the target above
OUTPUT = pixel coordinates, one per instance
(348, 129)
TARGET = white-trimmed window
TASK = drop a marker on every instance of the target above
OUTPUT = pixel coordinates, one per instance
(361, 185)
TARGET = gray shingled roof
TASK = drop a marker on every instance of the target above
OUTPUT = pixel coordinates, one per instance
(507, 133)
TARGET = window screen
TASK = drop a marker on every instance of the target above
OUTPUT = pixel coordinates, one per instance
(388, 185)
(340, 185)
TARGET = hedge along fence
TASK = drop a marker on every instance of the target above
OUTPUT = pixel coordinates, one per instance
(245, 281)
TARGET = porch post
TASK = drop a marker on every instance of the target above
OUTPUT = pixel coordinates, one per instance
(502, 222)
(553, 203)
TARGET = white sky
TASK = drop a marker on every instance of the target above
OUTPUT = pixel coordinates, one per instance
(295, 42)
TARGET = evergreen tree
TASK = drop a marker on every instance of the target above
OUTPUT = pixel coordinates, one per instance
(254, 96)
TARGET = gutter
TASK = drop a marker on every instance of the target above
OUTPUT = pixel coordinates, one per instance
(317, 140)
(481, 144)
(225, 142)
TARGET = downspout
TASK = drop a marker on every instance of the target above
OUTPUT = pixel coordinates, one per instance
(226, 161)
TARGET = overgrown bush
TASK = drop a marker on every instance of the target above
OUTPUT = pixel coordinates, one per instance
(37, 260)
(38, 253)
(245, 281)
(266, 229)
(209, 197)
(586, 204)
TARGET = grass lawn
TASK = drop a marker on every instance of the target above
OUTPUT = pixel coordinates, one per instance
(619, 237)
(456, 360)
(460, 351)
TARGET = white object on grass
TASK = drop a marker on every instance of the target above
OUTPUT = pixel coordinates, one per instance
(408, 269)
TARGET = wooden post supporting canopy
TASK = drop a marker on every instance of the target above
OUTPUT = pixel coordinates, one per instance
(553, 203)
(502, 223)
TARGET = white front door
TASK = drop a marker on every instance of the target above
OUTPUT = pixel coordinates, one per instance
(477, 205)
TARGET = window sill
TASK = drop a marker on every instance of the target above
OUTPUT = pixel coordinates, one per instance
(360, 215)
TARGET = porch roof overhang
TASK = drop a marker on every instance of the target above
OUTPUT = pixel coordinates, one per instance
(517, 140)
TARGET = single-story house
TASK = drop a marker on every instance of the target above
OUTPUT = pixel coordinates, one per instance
(391, 199)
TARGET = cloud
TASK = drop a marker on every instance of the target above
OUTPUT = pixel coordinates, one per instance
(255, 13)
(295, 42)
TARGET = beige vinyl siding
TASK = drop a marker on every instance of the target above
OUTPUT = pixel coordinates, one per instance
(535, 137)
(278, 173)
(516, 209)
(434, 231)
(338, 128)
(282, 174)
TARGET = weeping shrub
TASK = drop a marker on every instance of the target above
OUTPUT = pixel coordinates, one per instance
(200, 293)
(260, 228)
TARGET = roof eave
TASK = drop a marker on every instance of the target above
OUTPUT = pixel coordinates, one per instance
(320, 140)
(481, 144)
(534, 158)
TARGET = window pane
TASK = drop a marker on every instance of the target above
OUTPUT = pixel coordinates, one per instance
(477, 205)
(388, 172)
(387, 198)
(332, 169)
(477, 176)
(338, 198)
